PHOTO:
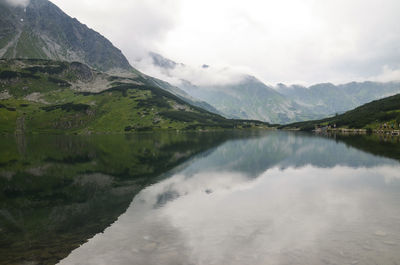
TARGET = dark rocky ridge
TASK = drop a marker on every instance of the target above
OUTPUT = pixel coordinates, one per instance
(44, 31)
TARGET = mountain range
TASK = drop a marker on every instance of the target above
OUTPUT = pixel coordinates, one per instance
(250, 98)
(44, 31)
(328, 99)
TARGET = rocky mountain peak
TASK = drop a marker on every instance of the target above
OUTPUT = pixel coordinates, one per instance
(44, 31)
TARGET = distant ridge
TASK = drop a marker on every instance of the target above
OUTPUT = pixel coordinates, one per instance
(368, 116)
(250, 98)
(328, 99)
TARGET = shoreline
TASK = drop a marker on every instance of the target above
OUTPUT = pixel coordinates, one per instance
(348, 131)
(359, 131)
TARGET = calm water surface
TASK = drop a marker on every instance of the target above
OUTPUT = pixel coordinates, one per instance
(266, 198)
(276, 199)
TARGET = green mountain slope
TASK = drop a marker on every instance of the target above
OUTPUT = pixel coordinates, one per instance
(371, 115)
(42, 96)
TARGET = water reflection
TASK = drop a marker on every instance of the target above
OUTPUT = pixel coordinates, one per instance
(278, 199)
(280, 149)
(58, 191)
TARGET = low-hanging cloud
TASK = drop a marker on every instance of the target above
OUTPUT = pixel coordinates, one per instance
(22, 3)
(210, 76)
(204, 75)
(388, 74)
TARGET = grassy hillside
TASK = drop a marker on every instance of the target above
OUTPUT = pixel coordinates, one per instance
(368, 116)
(42, 96)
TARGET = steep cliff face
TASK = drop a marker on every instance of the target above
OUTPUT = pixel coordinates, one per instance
(43, 31)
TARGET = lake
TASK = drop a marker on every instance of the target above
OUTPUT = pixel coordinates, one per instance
(247, 197)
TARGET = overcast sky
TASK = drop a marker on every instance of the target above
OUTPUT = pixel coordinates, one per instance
(289, 41)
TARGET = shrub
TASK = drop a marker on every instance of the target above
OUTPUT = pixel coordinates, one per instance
(13, 74)
(59, 82)
(47, 69)
(67, 107)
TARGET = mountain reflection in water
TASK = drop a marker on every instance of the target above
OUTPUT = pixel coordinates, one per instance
(58, 191)
(280, 198)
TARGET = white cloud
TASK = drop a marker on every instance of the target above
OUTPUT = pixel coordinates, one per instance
(199, 76)
(287, 41)
(388, 74)
(133, 26)
(229, 218)
(212, 76)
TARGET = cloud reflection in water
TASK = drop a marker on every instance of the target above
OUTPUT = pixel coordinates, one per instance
(306, 215)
